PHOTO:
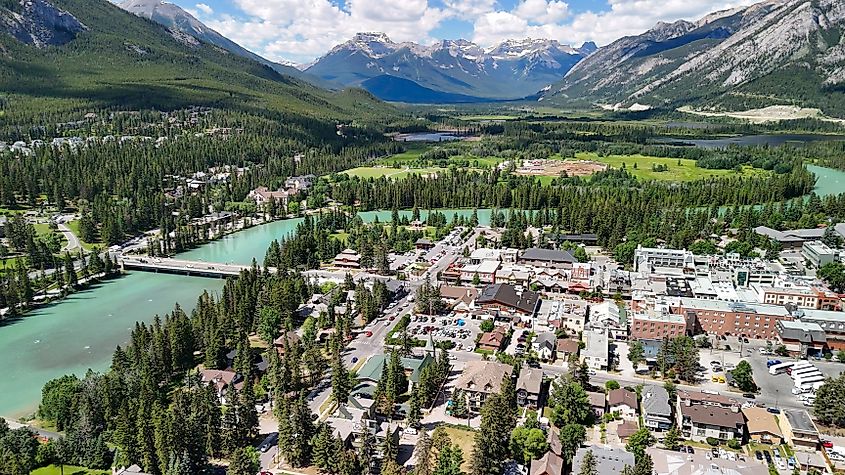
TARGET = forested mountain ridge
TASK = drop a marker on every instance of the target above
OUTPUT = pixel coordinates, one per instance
(773, 52)
(124, 61)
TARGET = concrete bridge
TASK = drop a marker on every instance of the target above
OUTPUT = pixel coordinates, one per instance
(184, 267)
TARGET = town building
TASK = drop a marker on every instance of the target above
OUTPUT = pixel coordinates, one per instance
(656, 408)
(609, 460)
(623, 402)
(717, 317)
(762, 426)
(605, 317)
(479, 379)
(459, 299)
(529, 387)
(494, 340)
(548, 464)
(833, 324)
(802, 338)
(818, 253)
(648, 259)
(413, 366)
(790, 239)
(703, 415)
(566, 314)
(499, 299)
(596, 353)
(668, 462)
(347, 259)
(538, 257)
(800, 296)
(657, 324)
(262, 196)
(567, 347)
(799, 430)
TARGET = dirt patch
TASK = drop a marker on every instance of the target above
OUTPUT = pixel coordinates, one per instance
(557, 167)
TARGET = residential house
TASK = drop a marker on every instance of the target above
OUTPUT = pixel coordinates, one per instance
(459, 299)
(656, 408)
(493, 340)
(300, 183)
(598, 403)
(609, 460)
(762, 426)
(596, 352)
(545, 345)
(538, 257)
(222, 380)
(131, 470)
(262, 195)
(703, 415)
(529, 387)
(504, 298)
(480, 379)
(624, 402)
(625, 429)
(567, 347)
(668, 462)
(799, 430)
(548, 464)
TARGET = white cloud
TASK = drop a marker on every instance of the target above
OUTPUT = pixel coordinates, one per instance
(301, 30)
(204, 8)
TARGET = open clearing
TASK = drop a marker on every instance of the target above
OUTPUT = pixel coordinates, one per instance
(69, 470)
(390, 172)
(678, 169)
(766, 114)
(557, 167)
(466, 441)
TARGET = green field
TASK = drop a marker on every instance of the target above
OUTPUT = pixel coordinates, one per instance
(395, 173)
(686, 171)
(68, 470)
(74, 227)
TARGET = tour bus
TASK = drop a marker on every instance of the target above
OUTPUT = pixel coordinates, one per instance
(780, 368)
(798, 366)
(808, 381)
(804, 372)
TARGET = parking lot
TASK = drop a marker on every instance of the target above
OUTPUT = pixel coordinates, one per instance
(460, 330)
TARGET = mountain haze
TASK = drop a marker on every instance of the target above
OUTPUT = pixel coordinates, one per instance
(773, 52)
(510, 70)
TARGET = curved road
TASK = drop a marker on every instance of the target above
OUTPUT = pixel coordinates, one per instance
(72, 241)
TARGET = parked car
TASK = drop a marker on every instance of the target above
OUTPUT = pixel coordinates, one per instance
(748, 395)
(369, 334)
(773, 410)
(827, 444)
(758, 455)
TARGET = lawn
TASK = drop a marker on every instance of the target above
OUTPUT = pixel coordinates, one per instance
(74, 227)
(395, 173)
(686, 171)
(68, 470)
(340, 236)
(465, 439)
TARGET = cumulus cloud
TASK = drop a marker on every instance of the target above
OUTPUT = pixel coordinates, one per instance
(302, 30)
(204, 8)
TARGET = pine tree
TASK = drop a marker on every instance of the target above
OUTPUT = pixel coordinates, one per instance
(672, 439)
(588, 464)
(341, 386)
(422, 455)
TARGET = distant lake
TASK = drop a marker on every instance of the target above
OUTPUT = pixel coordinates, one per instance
(427, 137)
(755, 140)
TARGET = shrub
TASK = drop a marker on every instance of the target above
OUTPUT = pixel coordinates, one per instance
(734, 444)
(713, 441)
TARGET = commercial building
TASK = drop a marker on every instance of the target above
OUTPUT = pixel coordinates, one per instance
(668, 462)
(647, 259)
(504, 298)
(547, 258)
(800, 296)
(656, 324)
(717, 317)
(799, 430)
(818, 253)
(609, 460)
(802, 338)
(762, 426)
(833, 324)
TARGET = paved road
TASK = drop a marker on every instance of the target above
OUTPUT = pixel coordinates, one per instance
(72, 241)
(42, 433)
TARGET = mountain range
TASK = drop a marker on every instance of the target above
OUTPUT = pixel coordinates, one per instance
(448, 71)
(773, 52)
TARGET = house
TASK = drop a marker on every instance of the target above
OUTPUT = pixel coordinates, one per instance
(596, 350)
(567, 347)
(657, 410)
(609, 460)
(538, 257)
(549, 464)
(799, 430)
(480, 379)
(262, 195)
(762, 426)
(300, 183)
(281, 342)
(348, 259)
(222, 381)
(131, 470)
(566, 314)
(413, 366)
(624, 402)
(499, 298)
(700, 421)
(529, 387)
(350, 424)
(460, 299)
(626, 429)
(668, 462)
(545, 345)
(598, 402)
(494, 340)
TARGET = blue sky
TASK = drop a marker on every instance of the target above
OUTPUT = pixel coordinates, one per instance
(302, 30)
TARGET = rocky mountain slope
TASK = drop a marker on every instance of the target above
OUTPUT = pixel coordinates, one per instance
(773, 52)
(120, 60)
(456, 68)
(175, 18)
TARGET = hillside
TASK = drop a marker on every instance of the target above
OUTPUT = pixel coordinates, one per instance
(773, 52)
(119, 60)
(510, 70)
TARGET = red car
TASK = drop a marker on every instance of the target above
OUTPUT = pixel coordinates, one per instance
(369, 334)
(827, 444)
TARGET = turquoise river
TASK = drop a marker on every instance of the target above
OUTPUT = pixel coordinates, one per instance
(82, 331)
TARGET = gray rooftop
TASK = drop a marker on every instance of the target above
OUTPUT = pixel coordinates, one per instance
(608, 460)
(656, 401)
(805, 332)
(549, 255)
(800, 421)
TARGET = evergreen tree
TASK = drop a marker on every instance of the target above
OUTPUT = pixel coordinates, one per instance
(588, 464)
